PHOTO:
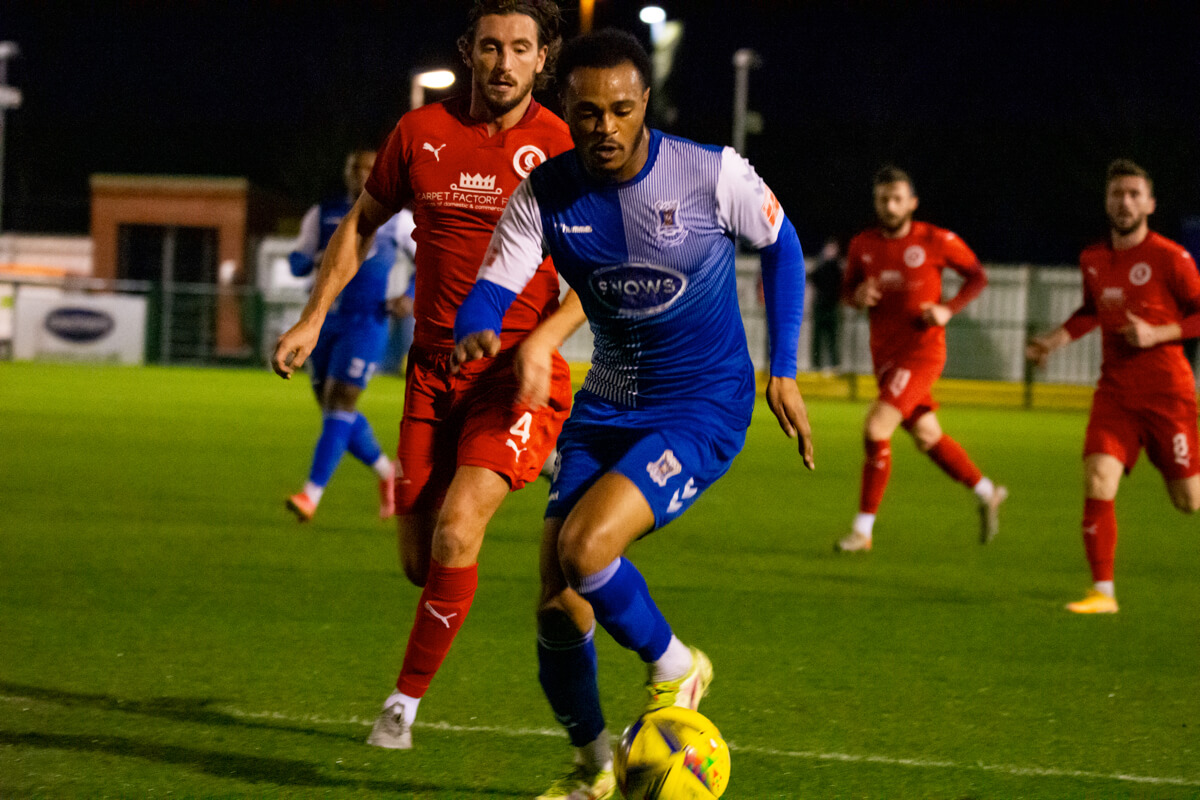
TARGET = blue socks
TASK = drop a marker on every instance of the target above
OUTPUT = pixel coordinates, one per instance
(335, 435)
(622, 604)
(363, 445)
(567, 672)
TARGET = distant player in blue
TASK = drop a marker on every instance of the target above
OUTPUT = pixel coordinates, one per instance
(351, 345)
(643, 226)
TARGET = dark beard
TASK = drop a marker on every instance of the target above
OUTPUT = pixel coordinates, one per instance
(500, 109)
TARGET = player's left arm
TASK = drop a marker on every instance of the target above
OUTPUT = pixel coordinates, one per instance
(962, 260)
(512, 259)
(534, 362)
(749, 209)
(1184, 284)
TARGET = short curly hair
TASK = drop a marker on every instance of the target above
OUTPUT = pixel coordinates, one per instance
(1126, 168)
(604, 49)
(545, 13)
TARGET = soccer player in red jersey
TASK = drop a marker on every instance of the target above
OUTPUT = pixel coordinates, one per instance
(466, 438)
(1143, 291)
(894, 271)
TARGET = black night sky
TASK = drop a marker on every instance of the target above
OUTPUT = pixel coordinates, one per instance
(1006, 113)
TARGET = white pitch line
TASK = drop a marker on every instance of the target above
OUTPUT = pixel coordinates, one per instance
(804, 755)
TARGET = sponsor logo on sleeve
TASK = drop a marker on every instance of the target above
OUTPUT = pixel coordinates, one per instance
(526, 158)
(770, 206)
(637, 290)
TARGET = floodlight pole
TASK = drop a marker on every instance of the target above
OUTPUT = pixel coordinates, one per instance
(10, 97)
(744, 60)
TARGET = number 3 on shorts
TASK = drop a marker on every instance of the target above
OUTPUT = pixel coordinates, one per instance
(521, 427)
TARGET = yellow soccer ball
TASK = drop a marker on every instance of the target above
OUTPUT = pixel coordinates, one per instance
(672, 754)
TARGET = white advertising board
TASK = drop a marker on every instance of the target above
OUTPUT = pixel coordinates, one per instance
(53, 324)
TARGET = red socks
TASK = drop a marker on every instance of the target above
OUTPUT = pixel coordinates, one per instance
(954, 461)
(1100, 536)
(876, 470)
(440, 613)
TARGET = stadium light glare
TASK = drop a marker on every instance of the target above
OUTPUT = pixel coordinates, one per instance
(428, 79)
(436, 79)
(652, 15)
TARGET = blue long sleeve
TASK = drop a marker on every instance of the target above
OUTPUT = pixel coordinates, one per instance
(300, 263)
(483, 309)
(783, 292)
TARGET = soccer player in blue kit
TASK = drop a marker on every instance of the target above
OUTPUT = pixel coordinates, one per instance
(642, 225)
(351, 344)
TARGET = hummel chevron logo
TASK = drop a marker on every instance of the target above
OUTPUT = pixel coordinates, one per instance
(435, 150)
(689, 491)
(445, 620)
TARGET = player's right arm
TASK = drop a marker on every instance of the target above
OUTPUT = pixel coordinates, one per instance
(858, 290)
(346, 249)
(513, 256)
(1039, 348)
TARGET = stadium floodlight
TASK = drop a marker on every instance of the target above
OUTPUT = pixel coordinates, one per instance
(652, 15)
(10, 98)
(428, 79)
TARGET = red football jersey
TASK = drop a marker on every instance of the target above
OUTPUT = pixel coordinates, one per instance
(458, 179)
(909, 274)
(1157, 281)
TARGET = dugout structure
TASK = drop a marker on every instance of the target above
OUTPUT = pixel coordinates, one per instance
(168, 229)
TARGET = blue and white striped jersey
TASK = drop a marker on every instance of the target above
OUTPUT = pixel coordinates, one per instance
(652, 260)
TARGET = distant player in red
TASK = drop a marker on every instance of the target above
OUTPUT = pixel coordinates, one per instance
(1143, 291)
(466, 438)
(894, 271)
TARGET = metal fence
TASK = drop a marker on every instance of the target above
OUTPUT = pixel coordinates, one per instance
(986, 341)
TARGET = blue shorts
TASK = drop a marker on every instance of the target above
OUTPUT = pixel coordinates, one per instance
(671, 454)
(349, 349)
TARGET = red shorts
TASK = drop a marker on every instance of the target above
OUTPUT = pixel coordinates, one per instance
(908, 386)
(471, 419)
(1164, 425)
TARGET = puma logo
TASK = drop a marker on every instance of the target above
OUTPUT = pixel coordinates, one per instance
(435, 150)
(1089, 530)
(445, 620)
(513, 445)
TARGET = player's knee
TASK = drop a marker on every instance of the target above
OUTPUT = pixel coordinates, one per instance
(580, 553)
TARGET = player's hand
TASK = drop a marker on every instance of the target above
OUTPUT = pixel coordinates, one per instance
(867, 294)
(534, 365)
(1037, 350)
(1139, 333)
(474, 346)
(294, 347)
(935, 314)
(783, 397)
(400, 307)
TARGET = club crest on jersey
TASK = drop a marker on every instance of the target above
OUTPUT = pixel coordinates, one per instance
(526, 158)
(1139, 274)
(670, 231)
(914, 255)
(637, 290)
(476, 183)
(665, 468)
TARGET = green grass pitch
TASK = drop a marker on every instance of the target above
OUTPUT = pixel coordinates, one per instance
(166, 628)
